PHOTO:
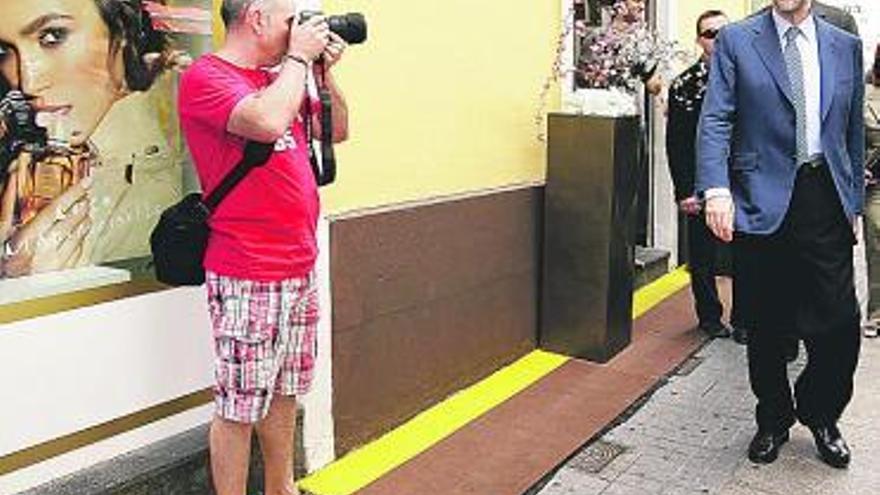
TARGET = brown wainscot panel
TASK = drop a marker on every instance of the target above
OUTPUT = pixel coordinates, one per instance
(428, 299)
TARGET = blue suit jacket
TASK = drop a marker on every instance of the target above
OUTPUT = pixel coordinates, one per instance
(746, 139)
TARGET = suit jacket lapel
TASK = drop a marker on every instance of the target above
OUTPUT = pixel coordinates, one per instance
(767, 45)
(827, 64)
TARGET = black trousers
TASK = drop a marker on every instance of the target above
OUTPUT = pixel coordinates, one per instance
(703, 249)
(800, 279)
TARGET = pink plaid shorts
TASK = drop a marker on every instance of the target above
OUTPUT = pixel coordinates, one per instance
(264, 342)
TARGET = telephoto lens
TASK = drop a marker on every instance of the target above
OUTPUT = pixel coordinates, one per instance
(351, 27)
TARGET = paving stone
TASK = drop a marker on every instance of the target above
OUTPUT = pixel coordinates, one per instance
(691, 438)
(573, 482)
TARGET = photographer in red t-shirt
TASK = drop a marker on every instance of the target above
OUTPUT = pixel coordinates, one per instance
(262, 249)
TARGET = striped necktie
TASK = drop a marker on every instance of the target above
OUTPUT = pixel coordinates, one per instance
(796, 78)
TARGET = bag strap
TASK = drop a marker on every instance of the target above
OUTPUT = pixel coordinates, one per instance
(255, 154)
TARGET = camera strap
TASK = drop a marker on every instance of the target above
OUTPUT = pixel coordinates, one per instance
(326, 172)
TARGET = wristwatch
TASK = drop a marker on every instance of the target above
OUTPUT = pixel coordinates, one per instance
(297, 59)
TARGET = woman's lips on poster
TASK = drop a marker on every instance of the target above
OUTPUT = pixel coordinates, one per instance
(54, 119)
(53, 110)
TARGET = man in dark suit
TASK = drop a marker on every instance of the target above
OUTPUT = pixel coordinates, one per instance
(831, 14)
(836, 17)
(685, 101)
(780, 162)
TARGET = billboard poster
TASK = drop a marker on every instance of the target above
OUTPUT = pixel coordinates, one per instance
(90, 150)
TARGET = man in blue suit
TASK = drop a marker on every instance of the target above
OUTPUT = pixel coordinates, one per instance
(780, 167)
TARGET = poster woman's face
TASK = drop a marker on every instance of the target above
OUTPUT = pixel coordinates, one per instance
(57, 51)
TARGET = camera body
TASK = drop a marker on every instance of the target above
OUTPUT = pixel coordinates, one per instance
(18, 125)
(44, 165)
(351, 27)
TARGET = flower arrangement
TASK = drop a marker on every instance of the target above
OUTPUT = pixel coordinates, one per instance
(623, 53)
(613, 60)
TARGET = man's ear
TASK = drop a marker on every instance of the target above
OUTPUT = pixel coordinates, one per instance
(256, 19)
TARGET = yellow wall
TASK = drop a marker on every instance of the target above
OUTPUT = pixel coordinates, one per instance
(442, 98)
(687, 11)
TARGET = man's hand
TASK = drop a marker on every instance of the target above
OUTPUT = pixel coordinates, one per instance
(309, 39)
(335, 48)
(689, 206)
(654, 85)
(719, 217)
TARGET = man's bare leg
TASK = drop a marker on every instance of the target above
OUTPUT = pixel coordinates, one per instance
(230, 455)
(276, 434)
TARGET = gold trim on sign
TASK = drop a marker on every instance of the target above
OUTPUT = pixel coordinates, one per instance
(43, 306)
(68, 443)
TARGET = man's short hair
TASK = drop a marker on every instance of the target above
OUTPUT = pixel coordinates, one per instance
(232, 10)
(708, 15)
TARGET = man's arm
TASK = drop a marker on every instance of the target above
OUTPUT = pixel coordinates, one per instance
(856, 129)
(266, 115)
(339, 111)
(716, 119)
(713, 144)
(675, 145)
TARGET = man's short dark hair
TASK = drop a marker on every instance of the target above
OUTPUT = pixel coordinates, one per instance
(708, 15)
(231, 11)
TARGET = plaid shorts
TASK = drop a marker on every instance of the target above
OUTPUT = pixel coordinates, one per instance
(264, 342)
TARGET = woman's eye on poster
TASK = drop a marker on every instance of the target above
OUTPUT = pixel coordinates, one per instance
(76, 78)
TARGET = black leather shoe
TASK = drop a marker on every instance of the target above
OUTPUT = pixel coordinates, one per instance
(764, 448)
(740, 335)
(832, 447)
(715, 330)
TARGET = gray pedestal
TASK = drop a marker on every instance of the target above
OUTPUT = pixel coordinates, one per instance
(592, 177)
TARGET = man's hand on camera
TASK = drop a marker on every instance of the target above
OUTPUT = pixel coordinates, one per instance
(309, 40)
(335, 49)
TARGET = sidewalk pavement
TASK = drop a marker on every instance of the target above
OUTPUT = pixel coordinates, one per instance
(690, 437)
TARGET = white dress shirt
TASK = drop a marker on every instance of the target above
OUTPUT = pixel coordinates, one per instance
(808, 46)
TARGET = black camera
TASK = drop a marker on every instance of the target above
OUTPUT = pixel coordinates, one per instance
(18, 126)
(350, 27)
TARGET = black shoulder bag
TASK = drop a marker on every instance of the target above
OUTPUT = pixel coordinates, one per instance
(179, 240)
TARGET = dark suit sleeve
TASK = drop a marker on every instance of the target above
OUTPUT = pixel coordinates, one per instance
(676, 147)
(715, 129)
(850, 24)
(856, 131)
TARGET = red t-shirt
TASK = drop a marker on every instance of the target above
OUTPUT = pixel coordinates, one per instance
(265, 228)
